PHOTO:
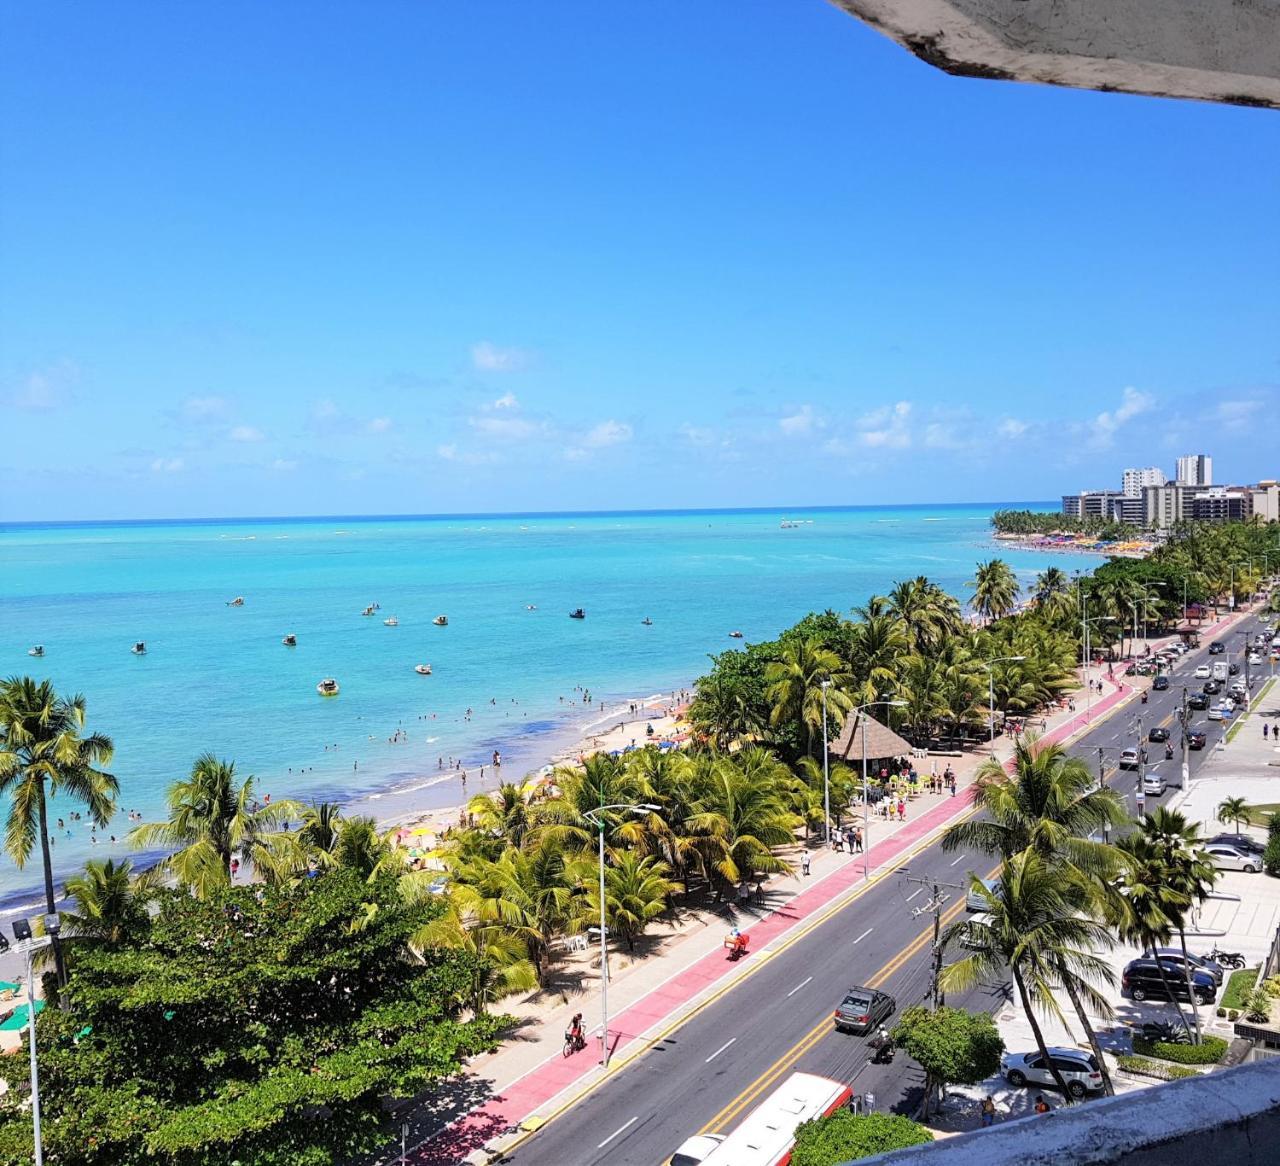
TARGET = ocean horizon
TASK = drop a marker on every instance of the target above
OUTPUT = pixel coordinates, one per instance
(507, 673)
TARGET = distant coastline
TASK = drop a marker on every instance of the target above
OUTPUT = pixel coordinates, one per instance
(1080, 544)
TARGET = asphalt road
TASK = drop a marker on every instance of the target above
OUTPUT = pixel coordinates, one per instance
(715, 1068)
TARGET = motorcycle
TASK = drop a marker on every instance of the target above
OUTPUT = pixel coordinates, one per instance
(1228, 959)
(1168, 752)
(883, 1050)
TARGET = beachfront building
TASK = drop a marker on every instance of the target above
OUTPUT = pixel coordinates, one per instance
(1219, 504)
(1264, 501)
(1164, 506)
(1090, 503)
(1133, 482)
(1195, 469)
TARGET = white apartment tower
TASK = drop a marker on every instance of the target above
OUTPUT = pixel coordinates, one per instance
(1135, 481)
(1196, 469)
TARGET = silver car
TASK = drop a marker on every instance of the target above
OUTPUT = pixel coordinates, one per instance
(1226, 857)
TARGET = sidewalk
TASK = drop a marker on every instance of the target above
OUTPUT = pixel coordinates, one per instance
(529, 1080)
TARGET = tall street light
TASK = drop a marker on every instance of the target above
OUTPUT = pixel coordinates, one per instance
(989, 665)
(1084, 649)
(27, 944)
(866, 805)
(826, 767)
(596, 818)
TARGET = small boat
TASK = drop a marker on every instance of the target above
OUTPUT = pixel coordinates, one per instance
(36, 650)
(789, 524)
(140, 648)
(441, 621)
(423, 669)
(290, 641)
(327, 687)
(238, 601)
(391, 622)
(577, 613)
(647, 622)
(735, 635)
(370, 609)
(531, 607)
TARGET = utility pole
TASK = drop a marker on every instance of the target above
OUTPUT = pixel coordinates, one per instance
(935, 905)
(1186, 760)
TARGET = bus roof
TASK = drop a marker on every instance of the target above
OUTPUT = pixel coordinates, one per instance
(766, 1136)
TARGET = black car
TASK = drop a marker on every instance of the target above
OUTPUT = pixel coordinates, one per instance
(1199, 963)
(1160, 683)
(1239, 841)
(863, 1009)
(1196, 739)
(1158, 733)
(1213, 687)
(1217, 648)
(1197, 700)
(1142, 980)
(1233, 669)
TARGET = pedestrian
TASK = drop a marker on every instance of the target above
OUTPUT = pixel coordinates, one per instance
(805, 860)
(988, 1108)
(1142, 804)
(1042, 1106)
(1264, 737)
(837, 839)
(953, 785)
(857, 838)
(870, 1099)
(902, 810)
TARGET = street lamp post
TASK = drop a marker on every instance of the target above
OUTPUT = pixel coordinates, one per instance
(826, 768)
(1088, 680)
(866, 805)
(27, 945)
(596, 818)
(989, 665)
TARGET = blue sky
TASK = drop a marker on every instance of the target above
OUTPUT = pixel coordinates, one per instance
(355, 257)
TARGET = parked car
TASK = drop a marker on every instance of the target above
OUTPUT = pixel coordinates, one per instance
(1159, 733)
(1239, 841)
(1160, 683)
(1079, 1069)
(1197, 700)
(1216, 713)
(1199, 963)
(1131, 758)
(1153, 783)
(1203, 672)
(974, 901)
(863, 1009)
(1217, 648)
(1141, 979)
(1226, 857)
(1196, 739)
(1213, 687)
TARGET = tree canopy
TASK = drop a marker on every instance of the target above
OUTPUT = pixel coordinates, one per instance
(845, 1137)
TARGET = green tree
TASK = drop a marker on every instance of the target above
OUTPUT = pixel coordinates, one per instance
(796, 683)
(637, 890)
(846, 1137)
(110, 904)
(952, 1046)
(44, 753)
(995, 589)
(1234, 810)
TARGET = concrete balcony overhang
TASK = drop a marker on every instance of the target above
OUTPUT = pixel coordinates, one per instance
(1208, 50)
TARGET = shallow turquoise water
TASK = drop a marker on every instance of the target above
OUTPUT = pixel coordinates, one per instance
(218, 678)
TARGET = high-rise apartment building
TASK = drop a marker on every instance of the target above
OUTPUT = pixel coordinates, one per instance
(1135, 481)
(1196, 469)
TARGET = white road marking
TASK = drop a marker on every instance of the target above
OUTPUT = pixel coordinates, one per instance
(789, 995)
(914, 893)
(616, 1132)
(960, 859)
(726, 1044)
(864, 935)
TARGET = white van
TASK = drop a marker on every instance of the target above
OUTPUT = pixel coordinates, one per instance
(1220, 670)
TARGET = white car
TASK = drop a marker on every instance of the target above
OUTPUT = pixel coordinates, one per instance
(1216, 713)
(1153, 783)
(1203, 672)
(1129, 759)
(1079, 1069)
(695, 1149)
(1226, 857)
(976, 901)
(1255, 661)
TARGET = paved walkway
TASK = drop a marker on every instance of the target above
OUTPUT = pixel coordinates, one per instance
(662, 992)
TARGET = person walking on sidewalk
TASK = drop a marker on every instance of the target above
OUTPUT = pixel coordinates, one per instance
(857, 838)
(953, 785)
(805, 860)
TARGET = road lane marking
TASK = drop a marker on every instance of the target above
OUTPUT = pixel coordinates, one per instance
(864, 935)
(616, 1132)
(914, 893)
(960, 859)
(801, 984)
(730, 1041)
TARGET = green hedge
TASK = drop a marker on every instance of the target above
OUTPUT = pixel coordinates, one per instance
(842, 1137)
(1239, 985)
(1209, 1052)
(1157, 1069)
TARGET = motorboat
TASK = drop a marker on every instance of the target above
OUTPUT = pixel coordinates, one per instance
(238, 601)
(577, 613)
(391, 622)
(140, 648)
(36, 650)
(735, 635)
(647, 622)
(441, 621)
(531, 607)
(370, 609)
(423, 669)
(327, 687)
(290, 641)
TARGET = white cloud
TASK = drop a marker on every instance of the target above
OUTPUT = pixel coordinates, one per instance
(1011, 429)
(1133, 402)
(942, 435)
(505, 428)
(506, 401)
(246, 433)
(574, 454)
(798, 423)
(204, 408)
(489, 357)
(1235, 415)
(608, 433)
(379, 425)
(45, 389)
(284, 465)
(167, 465)
(887, 427)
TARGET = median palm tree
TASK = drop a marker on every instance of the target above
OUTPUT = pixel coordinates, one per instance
(995, 589)
(1030, 930)
(1235, 811)
(503, 813)
(43, 753)
(213, 819)
(796, 681)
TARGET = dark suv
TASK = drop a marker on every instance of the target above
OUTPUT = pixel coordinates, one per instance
(1141, 979)
(1160, 683)
(1198, 700)
(1217, 648)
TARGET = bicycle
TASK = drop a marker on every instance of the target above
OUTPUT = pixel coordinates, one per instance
(573, 1042)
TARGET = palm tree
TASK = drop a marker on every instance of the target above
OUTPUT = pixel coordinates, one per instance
(995, 589)
(796, 682)
(359, 847)
(637, 890)
(878, 643)
(928, 613)
(1032, 932)
(318, 833)
(1052, 581)
(601, 781)
(43, 754)
(723, 711)
(211, 821)
(503, 813)
(110, 903)
(1235, 811)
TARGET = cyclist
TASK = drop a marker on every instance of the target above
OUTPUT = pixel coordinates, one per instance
(573, 1036)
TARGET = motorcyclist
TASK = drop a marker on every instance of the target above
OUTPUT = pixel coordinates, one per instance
(1168, 751)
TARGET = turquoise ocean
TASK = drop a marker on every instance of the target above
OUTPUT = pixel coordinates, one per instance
(218, 678)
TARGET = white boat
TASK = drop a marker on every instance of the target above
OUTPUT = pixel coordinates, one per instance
(139, 649)
(327, 687)
(36, 650)
(441, 621)
(290, 641)
(788, 524)
(531, 607)
(391, 622)
(735, 635)
(238, 601)
(423, 669)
